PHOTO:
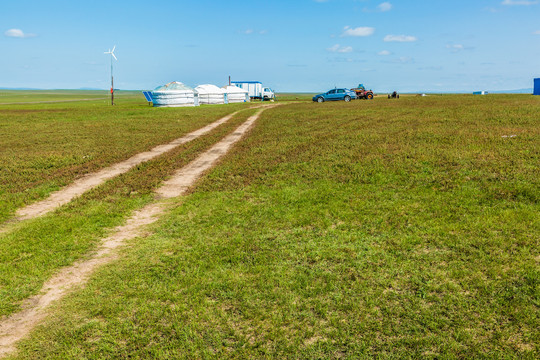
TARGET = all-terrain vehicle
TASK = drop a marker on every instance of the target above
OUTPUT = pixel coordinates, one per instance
(394, 95)
(362, 93)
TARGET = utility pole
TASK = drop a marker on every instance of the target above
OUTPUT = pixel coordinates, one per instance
(111, 52)
(112, 84)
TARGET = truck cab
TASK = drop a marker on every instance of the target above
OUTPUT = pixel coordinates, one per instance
(268, 94)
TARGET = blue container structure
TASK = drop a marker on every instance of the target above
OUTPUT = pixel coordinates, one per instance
(536, 86)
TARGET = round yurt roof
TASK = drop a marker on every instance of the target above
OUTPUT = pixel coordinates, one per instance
(234, 89)
(209, 89)
(174, 86)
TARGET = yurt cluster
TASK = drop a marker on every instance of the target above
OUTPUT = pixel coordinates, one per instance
(178, 94)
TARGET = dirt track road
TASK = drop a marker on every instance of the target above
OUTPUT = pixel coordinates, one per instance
(34, 309)
(92, 180)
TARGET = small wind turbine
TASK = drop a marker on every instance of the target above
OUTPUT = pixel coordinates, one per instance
(112, 77)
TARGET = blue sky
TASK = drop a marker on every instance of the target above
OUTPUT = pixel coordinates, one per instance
(289, 45)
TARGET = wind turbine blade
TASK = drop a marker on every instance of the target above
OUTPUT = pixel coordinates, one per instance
(114, 56)
(114, 47)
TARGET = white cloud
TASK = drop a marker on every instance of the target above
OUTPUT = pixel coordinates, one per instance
(459, 47)
(537, 32)
(400, 38)
(400, 60)
(358, 31)
(405, 60)
(333, 48)
(385, 6)
(340, 49)
(254, 32)
(520, 2)
(455, 47)
(384, 53)
(17, 33)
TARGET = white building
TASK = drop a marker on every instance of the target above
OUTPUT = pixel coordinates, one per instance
(235, 94)
(175, 94)
(211, 94)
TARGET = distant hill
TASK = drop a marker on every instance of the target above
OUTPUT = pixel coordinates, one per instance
(23, 88)
(79, 89)
(518, 91)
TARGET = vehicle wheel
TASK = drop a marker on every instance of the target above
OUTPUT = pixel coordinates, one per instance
(347, 98)
(320, 100)
(370, 96)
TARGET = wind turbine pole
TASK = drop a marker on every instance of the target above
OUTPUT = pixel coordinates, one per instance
(111, 52)
(112, 84)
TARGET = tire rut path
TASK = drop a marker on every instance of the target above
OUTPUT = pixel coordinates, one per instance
(92, 180)
(34, 309)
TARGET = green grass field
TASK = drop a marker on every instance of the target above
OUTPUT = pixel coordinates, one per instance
(46, 146)
(375, 229)
(24, 97)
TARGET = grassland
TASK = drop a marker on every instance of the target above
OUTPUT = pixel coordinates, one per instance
(389, 229)
(35, 249)
(21, 97)
(45, 146)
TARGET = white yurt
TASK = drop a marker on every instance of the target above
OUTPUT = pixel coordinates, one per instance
(211, 94)
(175, 94)
(235, 94)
